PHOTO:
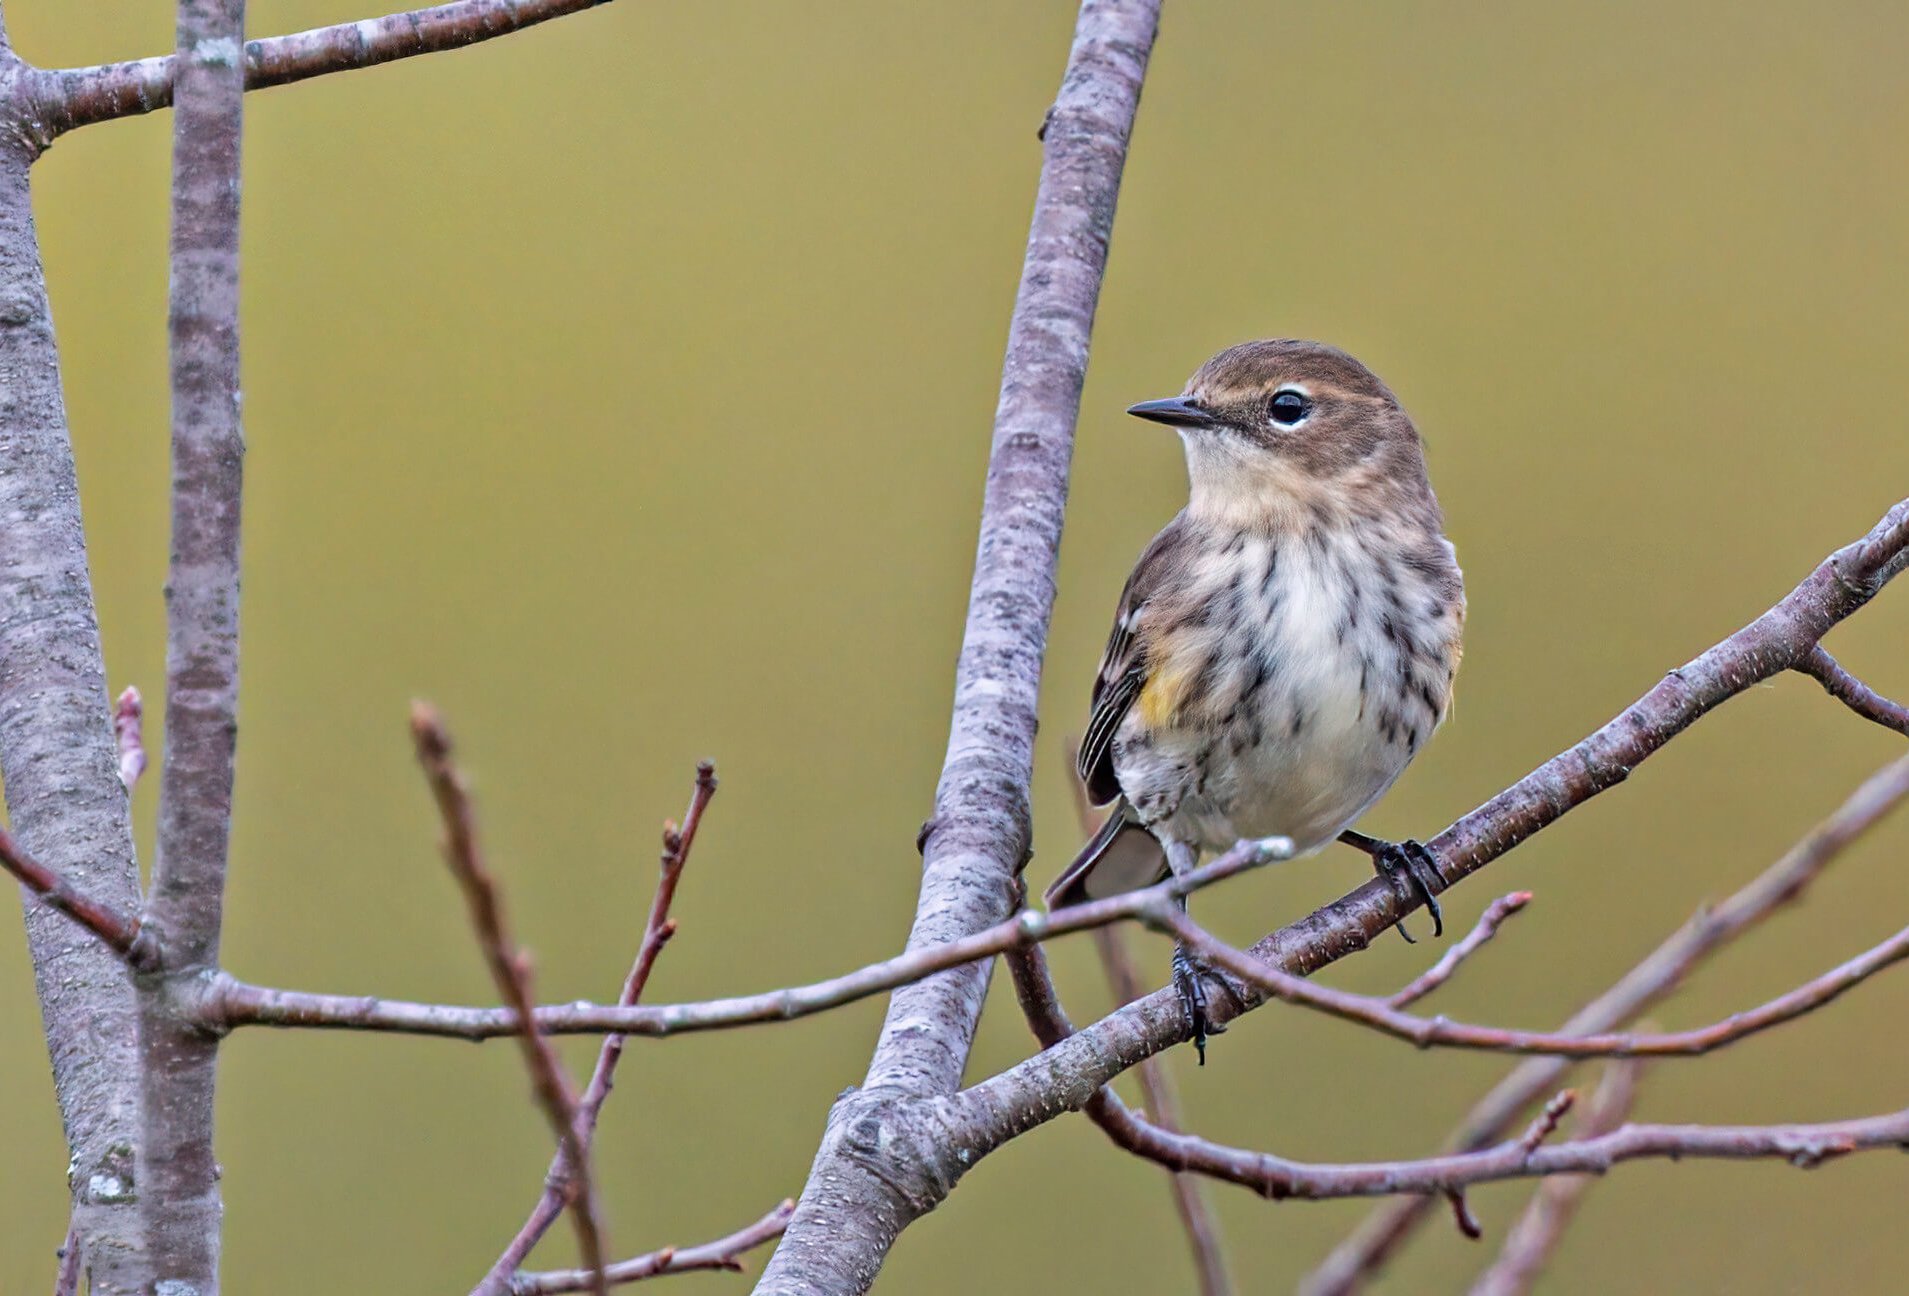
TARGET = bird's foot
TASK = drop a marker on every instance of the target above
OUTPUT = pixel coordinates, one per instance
(1188, 973)
(1420, 870)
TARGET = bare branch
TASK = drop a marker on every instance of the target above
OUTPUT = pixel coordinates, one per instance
(1533, 1239)
(58, 763)
(230, 1003)
(120, 931)
(1441, 1032)
(723, 1253)
(1662, 971)
(1163, 1109)
(510, 970)
(179, 1196)
(1434, 1177)
(1441, 972)
(128, 712)
(1156, 1086)
(1852, 692)
(976, 841)
(560, 1180)
(82, 96)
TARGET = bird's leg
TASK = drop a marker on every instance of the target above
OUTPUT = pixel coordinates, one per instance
(1389, 859)
(1189, 971)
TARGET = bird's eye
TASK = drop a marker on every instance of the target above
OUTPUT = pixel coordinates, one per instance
(1289, 408)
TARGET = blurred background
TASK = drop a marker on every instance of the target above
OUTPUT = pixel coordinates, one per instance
(624, 386)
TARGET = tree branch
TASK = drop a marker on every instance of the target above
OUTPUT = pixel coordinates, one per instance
(510, 970)
(1532, 1240)
(76, 97)
(229, 1003)
(1163, 1110)
(1440, 972)
(1661, 972)
(120, 931)
(657, 930)
(855, 1202)
(57, 757)
(723, 1253)
(1852, 692)
(1441, 1032)
(179, 1189)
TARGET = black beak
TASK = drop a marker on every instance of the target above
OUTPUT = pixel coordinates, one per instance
(1176, 411)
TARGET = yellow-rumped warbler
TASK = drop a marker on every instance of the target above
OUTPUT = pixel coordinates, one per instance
(1286, 645)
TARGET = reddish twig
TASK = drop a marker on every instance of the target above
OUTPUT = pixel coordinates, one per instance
(510, 970)
(723, 1253)
(1532, 1240)
(1441, 972)
(1662, 971)
(1852, 692)
(128, 713)
(559, 1182)
(121, 932)
(82, 96)
(1432, 1178)
(1440, 1032)
(230, 1003)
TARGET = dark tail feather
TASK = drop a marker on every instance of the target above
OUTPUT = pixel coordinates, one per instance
(1123, 856)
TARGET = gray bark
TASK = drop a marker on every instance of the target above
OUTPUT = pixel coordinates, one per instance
(57, 754)
(885, 1158)
(180, 1201)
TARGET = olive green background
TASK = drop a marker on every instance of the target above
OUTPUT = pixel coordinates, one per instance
(624, 386)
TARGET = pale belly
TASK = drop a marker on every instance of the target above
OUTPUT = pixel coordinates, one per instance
(1311, 703)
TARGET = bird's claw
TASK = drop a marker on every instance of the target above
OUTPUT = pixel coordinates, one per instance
(1420, 870)
(1187, 975)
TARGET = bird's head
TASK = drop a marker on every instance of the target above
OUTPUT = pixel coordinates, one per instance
(1284, 432)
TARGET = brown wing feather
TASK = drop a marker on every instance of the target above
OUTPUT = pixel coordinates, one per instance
(1123, 665)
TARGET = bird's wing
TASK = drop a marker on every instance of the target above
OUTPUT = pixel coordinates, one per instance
(1123, 665)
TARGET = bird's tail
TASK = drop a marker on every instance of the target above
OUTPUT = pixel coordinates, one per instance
(1123, 856)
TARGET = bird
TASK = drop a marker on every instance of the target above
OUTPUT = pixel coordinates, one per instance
(1284, 646)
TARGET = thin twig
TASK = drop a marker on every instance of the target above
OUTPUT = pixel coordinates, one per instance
(1852, 692)
(1278, 1178)
(1156, 1086)
(1440, 972)
(1441, 1032)
(1532, 1240)
(82, 96)
(510, 970)
(723, 1253)
(1163, 1109)
(559, 1181)
(128, 713)
(228, 1002)
(1662, 971)
(121, 932)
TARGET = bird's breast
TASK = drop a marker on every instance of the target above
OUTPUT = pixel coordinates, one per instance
(1290, 682)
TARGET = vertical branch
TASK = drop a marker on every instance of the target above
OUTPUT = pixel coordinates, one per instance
(64, 797)
(977, 841)
(179, 1192)
(859, 1196)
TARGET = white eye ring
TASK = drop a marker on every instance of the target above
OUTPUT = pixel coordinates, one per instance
(1289, 407)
